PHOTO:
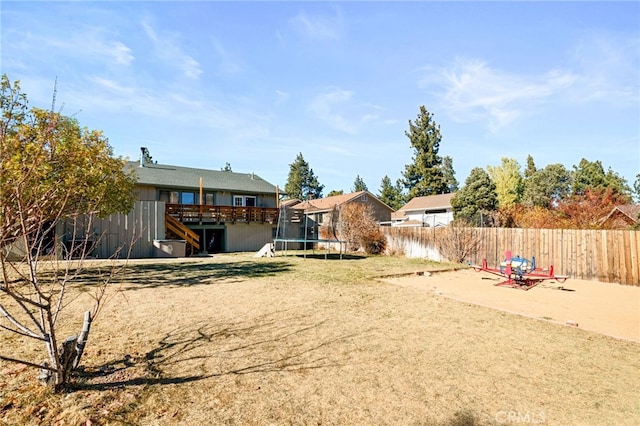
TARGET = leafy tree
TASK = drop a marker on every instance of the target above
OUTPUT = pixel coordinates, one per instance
(226, 168)
(51, 172)
(476, 199)
(585, 211)
(536, 217)
(359, 185)
(449, 174)
(425, 175)
(547, 186)
(302, 183)
(391, 195)
(335, 192)
(508, 180)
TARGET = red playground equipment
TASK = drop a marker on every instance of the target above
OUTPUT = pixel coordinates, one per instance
(519, 272)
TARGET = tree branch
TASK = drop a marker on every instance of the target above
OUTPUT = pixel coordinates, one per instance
(30, 364)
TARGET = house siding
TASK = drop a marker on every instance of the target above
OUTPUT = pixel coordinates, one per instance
(247, 236)
(120, 235)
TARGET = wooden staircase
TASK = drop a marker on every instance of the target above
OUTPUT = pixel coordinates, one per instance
(174, 226)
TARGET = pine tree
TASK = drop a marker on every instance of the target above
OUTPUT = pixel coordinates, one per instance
(302, 182)
(476, 198)
(425, 175)
(391, 195)
(359, 185)
(449, 174)
(547, 186)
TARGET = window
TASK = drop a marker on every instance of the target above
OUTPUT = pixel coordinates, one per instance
(242, 200)
(208, 199)
(187, 198)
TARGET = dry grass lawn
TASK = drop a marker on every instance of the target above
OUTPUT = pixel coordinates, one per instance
(234, 340)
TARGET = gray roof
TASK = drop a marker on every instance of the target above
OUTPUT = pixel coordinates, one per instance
(167, 176)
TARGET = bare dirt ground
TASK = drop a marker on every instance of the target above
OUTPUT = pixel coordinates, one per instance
(234, 340)
(605, 308)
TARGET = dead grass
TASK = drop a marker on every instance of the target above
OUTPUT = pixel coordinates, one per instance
(237, 340)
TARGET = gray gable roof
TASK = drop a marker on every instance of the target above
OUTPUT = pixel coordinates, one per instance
(167, 176)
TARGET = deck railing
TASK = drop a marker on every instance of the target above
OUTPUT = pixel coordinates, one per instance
(188, 213)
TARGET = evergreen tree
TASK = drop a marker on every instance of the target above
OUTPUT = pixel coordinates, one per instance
(530, 169)
(547, 186)
(302, 182)
(335, 192)
(425, 175)
(591, 175)
(226, 168)
(617, 183)
(636, 188)
(359, 185)
(449, 174)
(391, 195)
(476, 198)
(587, 174)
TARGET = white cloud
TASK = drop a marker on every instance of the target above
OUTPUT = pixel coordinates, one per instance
(608, 68)
(337, 108)
(319, 27)
(227, 64)
(120, 53)
(167, 49)
(475, 92)
(281, 97)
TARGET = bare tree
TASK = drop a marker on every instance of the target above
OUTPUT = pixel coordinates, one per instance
(360, 229)
(458, 241)
(53, 175)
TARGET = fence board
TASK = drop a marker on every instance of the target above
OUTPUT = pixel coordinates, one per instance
(603, 255)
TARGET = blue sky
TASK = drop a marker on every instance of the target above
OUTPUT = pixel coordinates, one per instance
(253, 84)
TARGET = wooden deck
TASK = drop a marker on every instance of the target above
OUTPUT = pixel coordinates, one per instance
(187, 213)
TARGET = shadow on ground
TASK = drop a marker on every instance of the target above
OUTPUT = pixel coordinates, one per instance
(274, 342)
(139, 276)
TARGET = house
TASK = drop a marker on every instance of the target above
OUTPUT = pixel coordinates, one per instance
(430, 210)
(306, 219)
(622, 217)
(226, 211)
(182, 211)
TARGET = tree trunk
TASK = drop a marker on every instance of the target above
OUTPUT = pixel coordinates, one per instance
(82, 339)
(70, 354)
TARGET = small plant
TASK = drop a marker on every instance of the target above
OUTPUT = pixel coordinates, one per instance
(458, 241)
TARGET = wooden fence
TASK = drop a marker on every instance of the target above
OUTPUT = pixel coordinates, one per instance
(607, 256)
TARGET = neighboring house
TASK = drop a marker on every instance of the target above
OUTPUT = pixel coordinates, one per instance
(431, 210)
(311, 215)
(622, 217)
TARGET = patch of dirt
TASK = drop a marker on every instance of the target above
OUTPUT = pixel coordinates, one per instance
(605, 308)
